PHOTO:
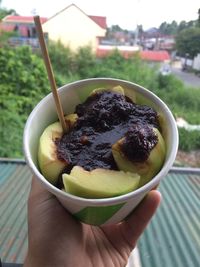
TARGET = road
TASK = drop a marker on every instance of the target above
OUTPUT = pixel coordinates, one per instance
(189, 79)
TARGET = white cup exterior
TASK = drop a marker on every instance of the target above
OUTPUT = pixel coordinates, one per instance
(107, 210)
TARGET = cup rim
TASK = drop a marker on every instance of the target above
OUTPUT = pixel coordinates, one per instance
(111, 200)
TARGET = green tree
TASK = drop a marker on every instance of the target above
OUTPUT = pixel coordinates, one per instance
(182, 25)
(198, 21)
(174, 26)
(84, 62)
(61, 57)
(168, 28)
(116, 28)
(162, 27)
(4, 12)
(188, 42)
(110, 32)
(4, 36)
(23, 82)
(191, 23)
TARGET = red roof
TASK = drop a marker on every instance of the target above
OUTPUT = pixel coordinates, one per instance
(155, 55)
(101, 21)
(21, 19)
(146, 55)
(100, 52)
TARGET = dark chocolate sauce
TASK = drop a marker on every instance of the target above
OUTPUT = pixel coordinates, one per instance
(138, 142)
(103, 119)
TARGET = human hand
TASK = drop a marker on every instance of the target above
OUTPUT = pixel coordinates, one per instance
(56, 239)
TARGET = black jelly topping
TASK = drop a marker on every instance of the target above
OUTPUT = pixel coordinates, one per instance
(139, 140)
(103, 119)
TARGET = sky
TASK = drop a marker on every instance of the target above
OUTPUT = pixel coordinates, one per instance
(125, 13)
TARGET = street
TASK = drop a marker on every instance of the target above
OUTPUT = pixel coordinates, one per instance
(189, 79)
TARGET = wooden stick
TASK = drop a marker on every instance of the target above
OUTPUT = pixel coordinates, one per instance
(50, 72)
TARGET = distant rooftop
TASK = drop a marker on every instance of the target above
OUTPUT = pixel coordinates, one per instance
(101, 21)
(171, 240)
(155, 55)
(22, 19)
(128, 51)
(10, 19)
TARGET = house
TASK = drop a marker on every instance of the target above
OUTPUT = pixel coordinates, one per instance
(166, 42)
(73, 28)
(196, 62)
(23, 25)
(23, 28)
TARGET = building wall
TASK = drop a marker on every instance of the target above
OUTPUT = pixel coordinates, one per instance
(73, 28)
(196, 62)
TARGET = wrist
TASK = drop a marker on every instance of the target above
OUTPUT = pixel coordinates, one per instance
(35, 261)
(41, 261)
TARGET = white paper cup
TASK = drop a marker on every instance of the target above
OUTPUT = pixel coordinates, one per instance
(107, 210)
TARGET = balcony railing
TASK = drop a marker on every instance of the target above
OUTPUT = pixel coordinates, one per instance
(20, 41)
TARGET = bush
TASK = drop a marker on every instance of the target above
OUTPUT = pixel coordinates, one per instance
(11, 130)
(132, 69)
(189, 140)
(61, 58)
(23, 82)
(23, 73)
(182, 100)
(84, 63)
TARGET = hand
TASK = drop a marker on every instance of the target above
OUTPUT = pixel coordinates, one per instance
(56, 239)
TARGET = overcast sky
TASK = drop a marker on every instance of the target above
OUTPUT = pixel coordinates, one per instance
(126, 13)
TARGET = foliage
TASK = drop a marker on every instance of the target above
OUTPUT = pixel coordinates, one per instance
(5, 36)
(174, 28)
(12, 123)
(84, 62)
(69, 66)
(20, 69)
(186, 25)
(182, 100)
(132, 69)
(189, 140)
(168, 28)
(115, 28)
(184, 103)
(61, 57)
(187, 42)
(23, 84)
(4, 12)
(112, 30)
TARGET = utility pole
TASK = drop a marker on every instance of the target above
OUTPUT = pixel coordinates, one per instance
(137, 30)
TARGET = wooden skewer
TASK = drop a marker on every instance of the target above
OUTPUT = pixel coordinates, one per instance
(50, 72)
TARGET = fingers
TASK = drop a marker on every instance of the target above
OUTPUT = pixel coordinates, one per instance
(135, 224)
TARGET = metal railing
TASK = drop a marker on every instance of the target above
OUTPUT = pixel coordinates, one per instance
(20, 41)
